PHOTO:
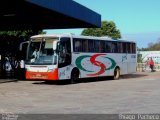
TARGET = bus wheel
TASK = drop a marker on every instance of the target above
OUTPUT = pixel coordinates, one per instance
(116, 74)
(74, 76)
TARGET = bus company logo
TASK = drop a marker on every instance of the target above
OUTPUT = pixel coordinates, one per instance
(96, 63)
(124, 58)
(133, 56)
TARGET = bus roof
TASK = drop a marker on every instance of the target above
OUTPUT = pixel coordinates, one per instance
(80, 36)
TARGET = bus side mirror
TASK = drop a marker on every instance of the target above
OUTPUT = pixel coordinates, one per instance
(21, 45)
(54, 45)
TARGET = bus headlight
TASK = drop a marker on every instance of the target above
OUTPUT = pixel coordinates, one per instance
(50, 70)
(27, 69)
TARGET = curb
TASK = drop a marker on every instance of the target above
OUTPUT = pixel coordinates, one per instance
(6, 81)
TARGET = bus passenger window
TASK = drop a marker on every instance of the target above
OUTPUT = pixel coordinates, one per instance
(113, 47)
(108, 47)
(96, 46)
(91, 45)
(102, 46)
(84, 45)
(128, 48)
(119, 47)
(134, 47)
(124, 47)
(77, 45)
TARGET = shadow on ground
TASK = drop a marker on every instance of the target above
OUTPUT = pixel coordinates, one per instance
(88, 80)
(136, 75)
(67, 82)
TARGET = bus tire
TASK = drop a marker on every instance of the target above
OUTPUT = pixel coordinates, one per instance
(116, 75)
(75, 75)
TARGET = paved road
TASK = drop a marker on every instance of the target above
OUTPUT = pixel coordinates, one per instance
(135, 93)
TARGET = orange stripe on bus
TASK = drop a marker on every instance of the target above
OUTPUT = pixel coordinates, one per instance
(42, 75)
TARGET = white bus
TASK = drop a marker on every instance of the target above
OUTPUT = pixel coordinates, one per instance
(67, 56)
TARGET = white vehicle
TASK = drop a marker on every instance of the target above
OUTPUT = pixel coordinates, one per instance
(146, 55)
(67, 56)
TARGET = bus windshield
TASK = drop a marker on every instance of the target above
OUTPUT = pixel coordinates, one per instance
(40, 52)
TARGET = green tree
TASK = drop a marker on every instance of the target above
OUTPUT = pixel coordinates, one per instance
(152, 47)
(10, 41)
(20, 34)
(108, 28)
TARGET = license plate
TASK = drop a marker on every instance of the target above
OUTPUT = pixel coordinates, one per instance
(39, 76)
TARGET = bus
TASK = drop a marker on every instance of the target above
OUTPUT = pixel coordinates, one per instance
(70, 57)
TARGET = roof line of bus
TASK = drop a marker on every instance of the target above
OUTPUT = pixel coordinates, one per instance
(81, 36)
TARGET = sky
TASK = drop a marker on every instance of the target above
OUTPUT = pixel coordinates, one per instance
(137, 20)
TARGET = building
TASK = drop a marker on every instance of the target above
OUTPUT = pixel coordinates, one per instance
(38, 15)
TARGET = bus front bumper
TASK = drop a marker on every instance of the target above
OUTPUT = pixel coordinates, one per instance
(42, 75)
